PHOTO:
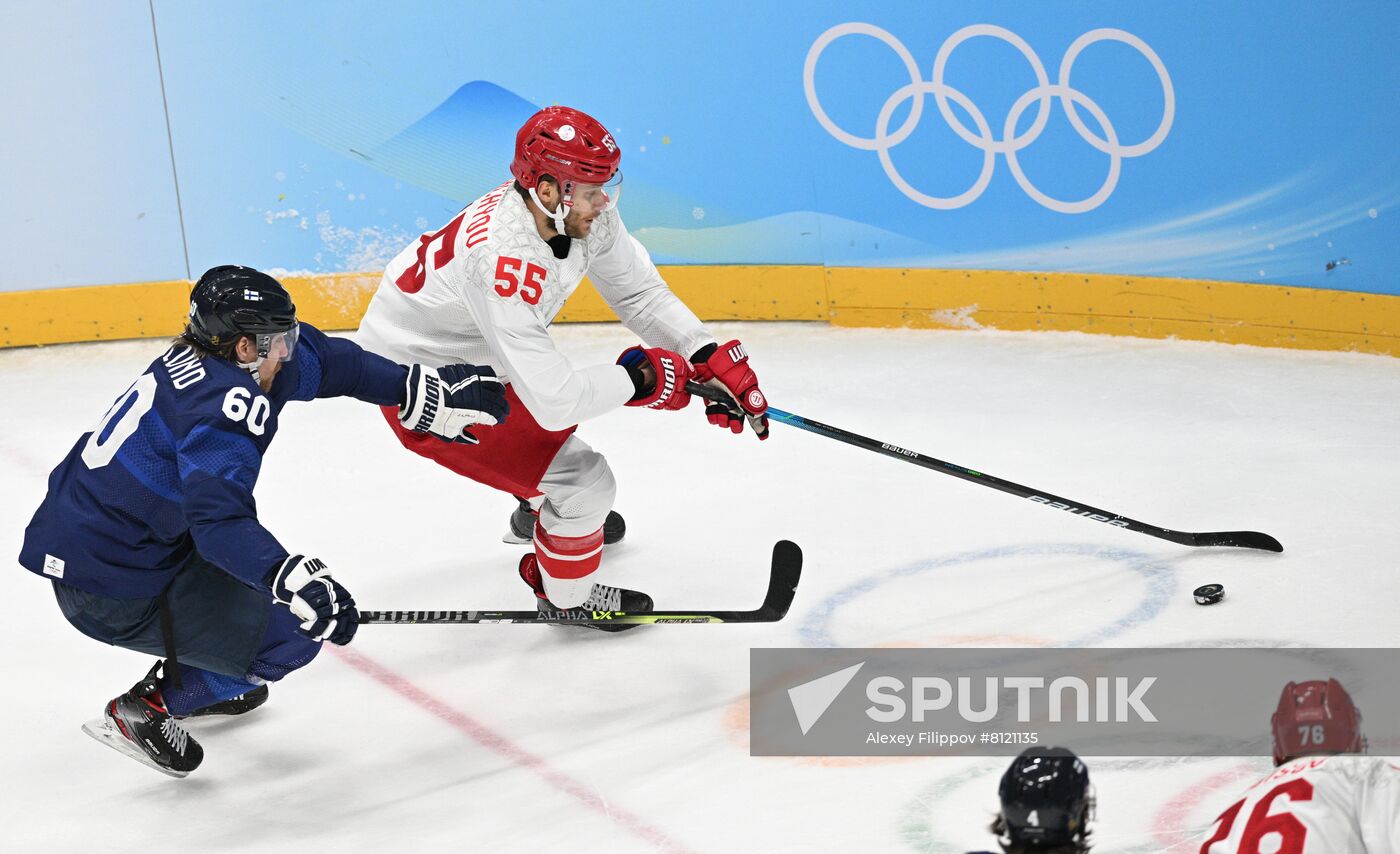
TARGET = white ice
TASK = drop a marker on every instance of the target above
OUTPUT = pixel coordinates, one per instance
(514, 738)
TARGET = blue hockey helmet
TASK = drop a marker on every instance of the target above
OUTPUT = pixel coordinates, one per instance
(229, 301)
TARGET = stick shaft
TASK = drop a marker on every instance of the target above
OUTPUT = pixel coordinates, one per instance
(1242, 539)
(522, 617)
(964, 473)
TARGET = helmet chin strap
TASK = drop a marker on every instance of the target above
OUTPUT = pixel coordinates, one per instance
(559, 213)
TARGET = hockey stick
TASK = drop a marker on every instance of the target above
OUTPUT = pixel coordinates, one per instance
(1238, 539)
(786, 571)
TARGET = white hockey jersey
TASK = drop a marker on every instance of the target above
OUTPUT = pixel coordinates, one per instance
(485, 288)
(1344, 804)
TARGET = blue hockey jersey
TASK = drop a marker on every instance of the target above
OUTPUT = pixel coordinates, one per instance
(172, 466)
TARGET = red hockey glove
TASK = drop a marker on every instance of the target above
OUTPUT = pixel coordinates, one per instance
(660, 376)
(726, 366)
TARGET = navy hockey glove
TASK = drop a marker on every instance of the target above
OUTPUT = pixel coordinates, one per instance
(447, 400)
(305, 586)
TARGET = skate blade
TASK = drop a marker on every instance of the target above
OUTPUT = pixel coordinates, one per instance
(104, 732)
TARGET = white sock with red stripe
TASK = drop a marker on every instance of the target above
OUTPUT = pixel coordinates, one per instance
(567, 565)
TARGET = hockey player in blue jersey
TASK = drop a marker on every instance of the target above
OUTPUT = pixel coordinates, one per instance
(149, 532)
(1046, 804)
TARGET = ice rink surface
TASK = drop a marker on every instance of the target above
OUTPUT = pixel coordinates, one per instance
(516, 738)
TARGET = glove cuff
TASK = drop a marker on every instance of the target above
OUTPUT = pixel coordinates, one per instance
(277, 578)
(292, 574)
(422, 400)
(269, 580)
(668, 388)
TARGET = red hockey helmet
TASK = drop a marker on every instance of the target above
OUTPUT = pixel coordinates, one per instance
(566, 143)
(1316, 717)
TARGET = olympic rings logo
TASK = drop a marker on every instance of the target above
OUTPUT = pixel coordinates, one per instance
(1009, 143)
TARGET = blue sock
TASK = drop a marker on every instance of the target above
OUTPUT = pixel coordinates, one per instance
(200, 688)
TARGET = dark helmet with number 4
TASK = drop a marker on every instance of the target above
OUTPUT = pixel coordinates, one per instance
(1046, 801)
(230, 301)
(1315, 717)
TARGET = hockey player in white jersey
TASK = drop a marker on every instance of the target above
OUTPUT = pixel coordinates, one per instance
(1321, 798)
(485, 288)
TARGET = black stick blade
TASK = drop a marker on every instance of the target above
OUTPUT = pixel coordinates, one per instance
(784, 574)
(782, 583)
(1239, 540)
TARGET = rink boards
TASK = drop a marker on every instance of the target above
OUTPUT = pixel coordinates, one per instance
(1138, 306)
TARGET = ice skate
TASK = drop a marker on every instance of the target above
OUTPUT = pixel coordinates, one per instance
(522, 526)
(137, 724)
(600, 598)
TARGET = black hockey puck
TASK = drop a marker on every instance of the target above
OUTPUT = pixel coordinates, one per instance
(1209, 594)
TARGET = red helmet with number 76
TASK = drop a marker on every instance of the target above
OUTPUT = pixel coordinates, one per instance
(566, 143)
(1316, 717)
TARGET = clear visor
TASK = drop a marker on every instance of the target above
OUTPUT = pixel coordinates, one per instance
(592, 199)
(278, 345)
